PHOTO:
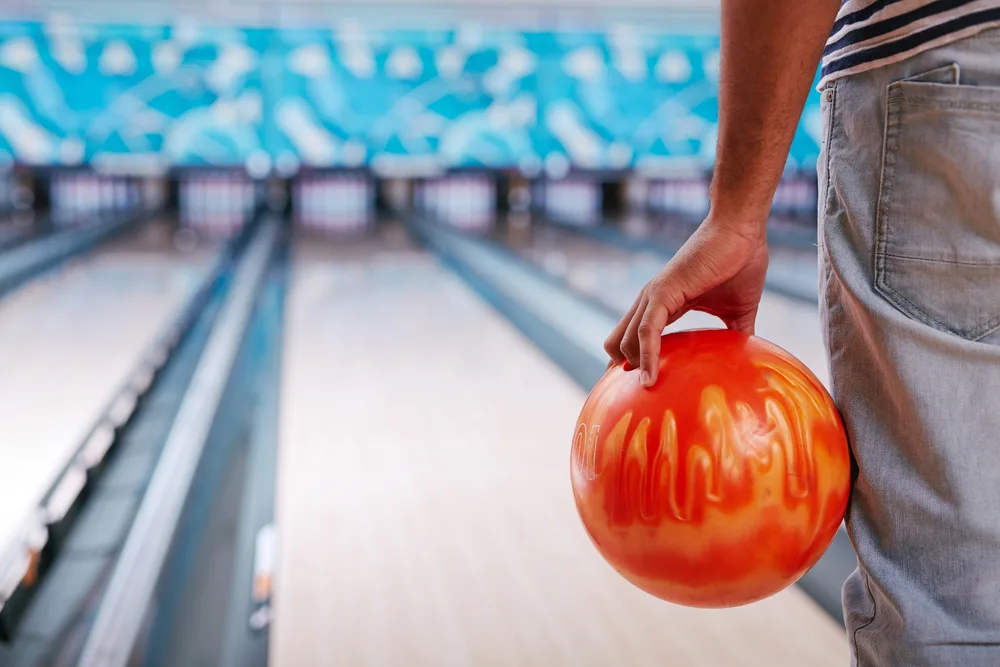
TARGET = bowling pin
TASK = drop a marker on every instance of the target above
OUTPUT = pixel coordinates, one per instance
(333, 194)
(296, 195)
(446, 189)
(319, 202)
(76, 196)
(92, 194)
(346, 190)
(309, 188)
(551, 198)
(357, 204)
(77, 200)
(340, 192)
(235, 202)
(316, 202)
(309, 201)
(356, 210)
(331, 204)
(202, 201)
(107, 193)
(337, 192)
(68, 186)
(56, 193)
(191, 187)
(220, 199)
(322, 203)
(224, 186)
(209, 204)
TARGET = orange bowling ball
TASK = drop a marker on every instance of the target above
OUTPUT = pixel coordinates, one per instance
(720, 485)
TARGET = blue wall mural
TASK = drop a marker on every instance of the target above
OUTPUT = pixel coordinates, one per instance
(346, 96)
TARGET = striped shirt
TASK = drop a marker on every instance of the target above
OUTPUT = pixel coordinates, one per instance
(871, 33)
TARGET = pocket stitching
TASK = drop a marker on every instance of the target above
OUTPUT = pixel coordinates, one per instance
(931, 103)
(885, 195)
(889, 161)
(940, 261)
(829, 141)
(867, 624)
(981, 331)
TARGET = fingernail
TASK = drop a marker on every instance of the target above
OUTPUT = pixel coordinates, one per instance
(645, 379)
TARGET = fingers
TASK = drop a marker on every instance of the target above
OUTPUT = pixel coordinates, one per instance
(640, 344)
(659, 304)
(716, 271)
(613, 344)
(630, 347)
(649, 331)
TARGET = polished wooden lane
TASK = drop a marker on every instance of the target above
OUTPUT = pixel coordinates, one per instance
(67, 341)
(424, 506)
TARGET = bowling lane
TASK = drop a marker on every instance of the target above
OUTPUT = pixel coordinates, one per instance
(615, 276)
(68, 339)
(17, 228)
(424, 508)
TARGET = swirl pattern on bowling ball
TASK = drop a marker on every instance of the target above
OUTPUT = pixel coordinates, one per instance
(720, 485)
(655, 475)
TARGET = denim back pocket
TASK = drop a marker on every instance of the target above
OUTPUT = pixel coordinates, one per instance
(937, 241)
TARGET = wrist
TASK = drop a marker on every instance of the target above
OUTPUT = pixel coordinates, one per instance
(743, 217)
(732, 194)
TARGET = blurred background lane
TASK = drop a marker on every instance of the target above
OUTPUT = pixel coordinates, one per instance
(385, 242)
(70, 339)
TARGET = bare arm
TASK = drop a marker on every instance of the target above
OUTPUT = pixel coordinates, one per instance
(770, 51)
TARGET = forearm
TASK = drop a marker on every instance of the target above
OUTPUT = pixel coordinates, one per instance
(770, 52)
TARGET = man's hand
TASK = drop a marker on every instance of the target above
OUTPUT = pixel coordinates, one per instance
(720, 270)
(770, 51)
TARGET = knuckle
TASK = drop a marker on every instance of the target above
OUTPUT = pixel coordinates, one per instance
(672, 300)
(658, 285)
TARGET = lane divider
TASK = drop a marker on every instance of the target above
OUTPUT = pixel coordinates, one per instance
(121, 613)
(28, 556)
(32, 258)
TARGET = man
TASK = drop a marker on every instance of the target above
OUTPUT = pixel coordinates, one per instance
(909, 207)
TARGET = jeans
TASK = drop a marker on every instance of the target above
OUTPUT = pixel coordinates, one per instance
(910, 299)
